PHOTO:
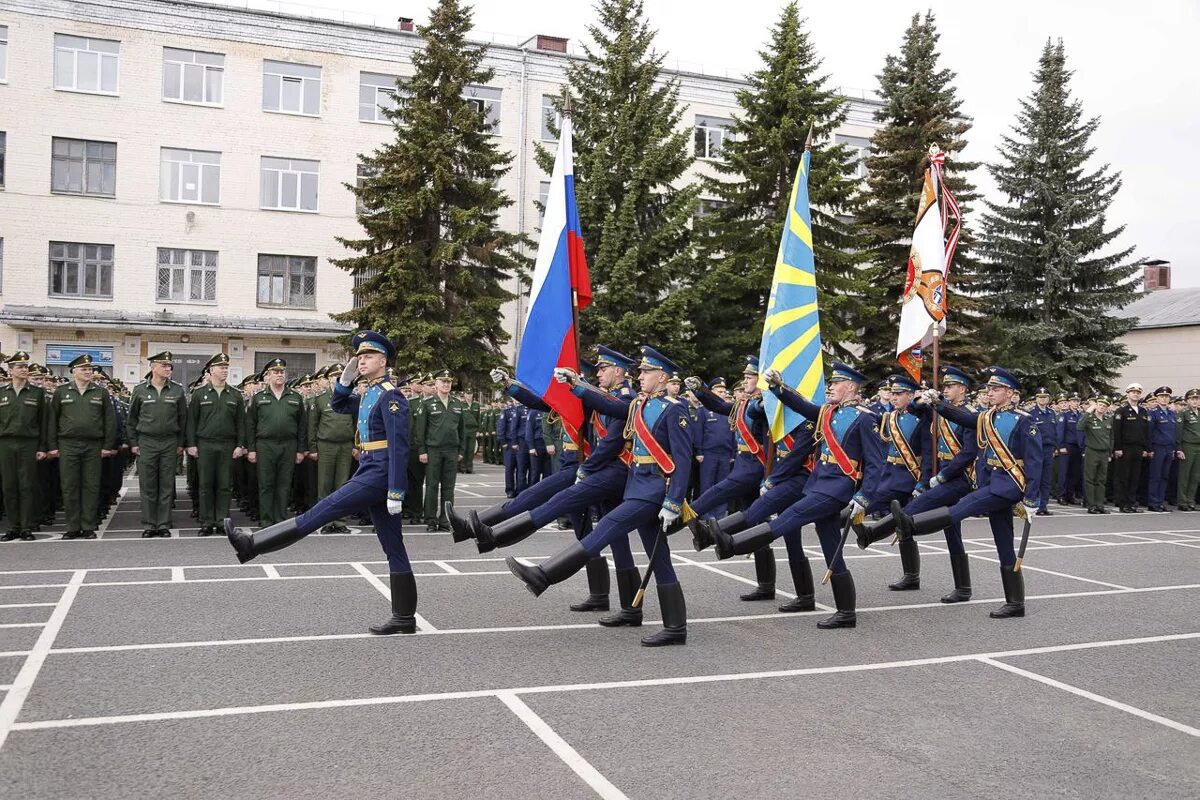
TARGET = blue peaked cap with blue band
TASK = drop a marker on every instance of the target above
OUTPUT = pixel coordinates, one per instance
(845, 372)
(751, 366)
(952, 374)
(372, 342)
(652, 359)
(607, 357)
(902, 383)
(999, 376)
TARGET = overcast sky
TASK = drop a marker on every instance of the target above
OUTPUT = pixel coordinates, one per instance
(1135, 68)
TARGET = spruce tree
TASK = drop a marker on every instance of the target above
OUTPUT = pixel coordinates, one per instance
(739, 239)
(920, 108)
(432, 264)
(630, 154)
(1048, 286)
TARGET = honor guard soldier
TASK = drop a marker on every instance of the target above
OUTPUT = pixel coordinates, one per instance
(22, 447)
(440, 440)
(81, 430)
(157, 428)
(1131, 444)
(1047, 422)
(1010, 441)
(333, 435)
(275, 434)
(1189, 452)
(215, 438)
(1163, 447)
(378, 486)
(1096, 426)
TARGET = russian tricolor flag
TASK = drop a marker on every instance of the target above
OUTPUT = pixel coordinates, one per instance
(560, 282)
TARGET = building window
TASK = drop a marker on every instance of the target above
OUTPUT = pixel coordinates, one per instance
(543, 198)
(297, 363)
(289, 184)
(289, 281)
(551, 119)
(86, 65)
(486, 101)
(3, 150)
(361, 278)
(3, 53)
(376, 93)
(365, 172)
(83, 167)
(190, 176)
(705, 208)
(860, 148)
(291, 88)
(711, 134)
(190, 76)
(81, 270)
(187, 276)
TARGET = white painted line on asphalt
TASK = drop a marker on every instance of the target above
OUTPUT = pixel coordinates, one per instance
(270, 571)
(27, 605)
(14, 700)
(460, 490)
(5, 687)
(449, 569)
(1098, 542)
(21, 625)
(585, 687)
(1138, 537)
(385, 590)
(738, 578)
(569, 755)
(1058, 574)
(1108, 701)
(177, 575)
(1186, 544)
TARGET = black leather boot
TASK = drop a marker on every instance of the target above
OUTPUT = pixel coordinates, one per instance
(960, 565)
(460, 526)
(598, 585)
(268, 540)
(674, 614)
(628, 582)
(743, 543)
(555, 569)
(910, 525)
(404, 606)
(764, 571)
(844, 599)
(910, 561)
(503, 534)
(868, 533)
(802, 578)
(1014, 595)
(701, 529)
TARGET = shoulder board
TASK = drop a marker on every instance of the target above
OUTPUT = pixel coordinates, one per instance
(387, 386)
(1021, 413)
(867, 409)
(671, 399)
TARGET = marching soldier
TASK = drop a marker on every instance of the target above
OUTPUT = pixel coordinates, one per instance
(1097, 428)
(22, 448)
(81, 431)
(1189, 450)
(275, 434)
(1131, 444)
(440, 440)
(215, 438)
(333, 433)
(157, 428)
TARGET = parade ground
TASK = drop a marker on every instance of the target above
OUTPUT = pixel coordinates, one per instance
(161, 668)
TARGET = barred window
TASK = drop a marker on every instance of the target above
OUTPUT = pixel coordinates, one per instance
(83, 167)
(291, 88)
(711, 134)
(289, 184)
(190, 76)
(78, 269)
(361, 278)
(289, 281)
(187, 276)
(86, 65)
(190, 176)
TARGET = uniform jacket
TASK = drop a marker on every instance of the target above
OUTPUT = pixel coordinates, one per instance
(381, 415)
(1131, 429)
(89, 416)
(216, 417)
(157, 414)
(1023, 438)
(951, 466)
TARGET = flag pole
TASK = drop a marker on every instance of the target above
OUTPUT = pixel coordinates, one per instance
(566, 112)
(937, 335)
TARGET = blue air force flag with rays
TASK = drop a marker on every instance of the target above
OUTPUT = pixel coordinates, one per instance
(791, 339)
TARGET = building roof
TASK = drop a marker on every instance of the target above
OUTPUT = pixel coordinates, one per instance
(1165, 308)
(159, 320)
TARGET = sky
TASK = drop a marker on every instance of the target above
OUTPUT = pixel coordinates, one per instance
(1134, 62)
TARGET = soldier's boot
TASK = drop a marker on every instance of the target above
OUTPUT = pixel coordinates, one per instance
(267, 540)
(844, 598)
(503, 534)
(701, 529)
(460, 527)
(764, 572)
(555, 569)
(598, 585)
(960, 565)
(910, 561)
(802, 577)
(910, 525)
(11, 536)
(1014, 595)
(628, 582)
(674, 614)
(27, 535)
(743, 543)
(404, 606)
(870, 532)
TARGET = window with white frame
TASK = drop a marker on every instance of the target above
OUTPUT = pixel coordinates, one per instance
(487, 101)
(376, 93)
(365, 172)
(187, 276)
(79, 166)
(190, 176)
(78, 269)
(289, 281)
(543, 198)
(860, 148)
(3, 151)
(3, 53)
(711, 134)
(190, 76)
(551, 118)
(289, 184)
(86, 65)
(705, 207)
(291, 88)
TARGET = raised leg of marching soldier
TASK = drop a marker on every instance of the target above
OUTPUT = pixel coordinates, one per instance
(742, 482)
(871, 532)
(79, 471)
(156, 482)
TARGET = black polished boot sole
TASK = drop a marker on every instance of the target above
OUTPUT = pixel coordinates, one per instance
(665, 638)
(841, 619)
(799, 605)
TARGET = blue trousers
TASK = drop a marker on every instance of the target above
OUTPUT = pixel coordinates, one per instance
(775, 501)
(824, 513)
(523, 481)
(1160, 471)
(510, 471)
(999, 511)
(366, 490)
(616, 526)
(883, 501)
(741, 482)
(1070, 472)
(714, 469)
(534, 496)
(603, 488)
(1047, 477)
(944, 494)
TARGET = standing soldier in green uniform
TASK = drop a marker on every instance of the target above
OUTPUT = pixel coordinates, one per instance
(415, 496)
(1188, 445)
(275, 433)
(332, 436)
(471, 423)
(81, 430)
(22, 446)
(215, 436)
(156, 427)
(1097, 428)
(440, 441)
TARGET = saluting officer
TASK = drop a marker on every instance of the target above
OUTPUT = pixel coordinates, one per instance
(157, 426)
(333, 434)
(439, 440)
(215, 437)
(22, 446)
(81, 430)
(276, 433)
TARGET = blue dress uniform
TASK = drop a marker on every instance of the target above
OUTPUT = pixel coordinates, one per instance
(850, 457)
(1010, 442)
(381, 480)
(1070, 463)
(506, 434)
(539, 459)
(520, 421)
(714, 440)
(657, 430)
(1047, 422)
(1163, 426)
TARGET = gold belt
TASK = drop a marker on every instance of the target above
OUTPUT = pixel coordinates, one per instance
(896, 460)
(644, 460)
(995, 462)
(744, 448)
(379, 445)
(945, 456)
(829, 459)
(570, 447)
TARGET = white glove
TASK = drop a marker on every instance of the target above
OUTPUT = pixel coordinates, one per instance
(855, 509)
(667, 516)
(773, 377)
(763, 489)
(935, 481)
(394, 507)
(565, 375)
(692, 383)
(1030, 511)
(930, 397)
(499, 376)
(350, 372)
